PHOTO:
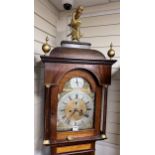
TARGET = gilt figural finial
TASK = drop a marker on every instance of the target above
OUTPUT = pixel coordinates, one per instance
(75, 24)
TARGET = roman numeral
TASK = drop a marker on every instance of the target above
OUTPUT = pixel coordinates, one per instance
(62, 110)
(67, 121)
(89, 109)
(76, 96)
(70, 98)
(87, 102)
(64, 103)
(86, 115)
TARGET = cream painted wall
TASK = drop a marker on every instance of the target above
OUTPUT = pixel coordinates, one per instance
(100, 26)
(45, 23)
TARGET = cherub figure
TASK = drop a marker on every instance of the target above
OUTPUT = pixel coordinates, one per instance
(75, 24)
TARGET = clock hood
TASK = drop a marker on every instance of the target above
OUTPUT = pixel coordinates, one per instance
(76, 53)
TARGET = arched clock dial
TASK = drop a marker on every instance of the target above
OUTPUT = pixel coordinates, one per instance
(75, 111)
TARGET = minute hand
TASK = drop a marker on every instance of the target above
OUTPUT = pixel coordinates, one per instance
(81, 113)
(75, 110)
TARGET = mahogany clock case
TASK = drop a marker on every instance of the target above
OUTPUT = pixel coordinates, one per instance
(60, 66)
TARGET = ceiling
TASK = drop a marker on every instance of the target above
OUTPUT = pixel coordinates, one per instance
(86, 3)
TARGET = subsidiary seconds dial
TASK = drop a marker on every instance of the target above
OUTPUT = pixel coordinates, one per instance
(77, 82)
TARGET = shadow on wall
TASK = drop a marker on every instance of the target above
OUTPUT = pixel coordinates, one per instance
(39, 148)
(116, 74)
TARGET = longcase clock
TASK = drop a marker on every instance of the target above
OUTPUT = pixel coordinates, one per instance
(76, 87)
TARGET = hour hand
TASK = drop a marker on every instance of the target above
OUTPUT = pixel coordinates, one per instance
(80, 112)
(75, 110)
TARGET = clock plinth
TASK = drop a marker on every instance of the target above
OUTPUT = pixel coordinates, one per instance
(74, 81)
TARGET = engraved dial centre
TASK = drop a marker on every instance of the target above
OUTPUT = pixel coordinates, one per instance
(75, 110)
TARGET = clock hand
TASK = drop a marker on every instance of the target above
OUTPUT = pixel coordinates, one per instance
(75, 110)
(82, 113)
(77, 82)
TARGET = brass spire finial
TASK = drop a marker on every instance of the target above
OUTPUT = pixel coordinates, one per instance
(75, 24)
(111, 52)
(46, 47)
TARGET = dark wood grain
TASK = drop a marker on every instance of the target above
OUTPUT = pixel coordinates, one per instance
(61, 65)
(76, 53)
(77, 61)
(76, 141)
(105, 110)
(47, 114)
(54, 72)
(53, 109)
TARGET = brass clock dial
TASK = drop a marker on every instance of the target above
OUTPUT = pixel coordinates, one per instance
(76, 107)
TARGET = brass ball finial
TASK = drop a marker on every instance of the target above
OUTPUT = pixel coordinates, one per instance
(46, 47)
(103, 136)
(111, 52)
